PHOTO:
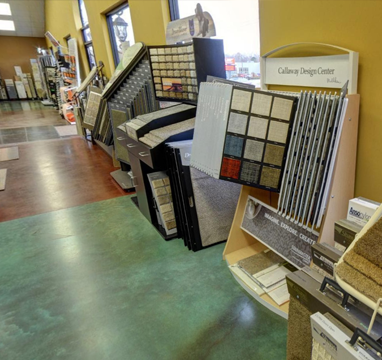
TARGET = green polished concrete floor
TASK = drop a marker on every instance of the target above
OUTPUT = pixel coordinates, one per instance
(97, 282)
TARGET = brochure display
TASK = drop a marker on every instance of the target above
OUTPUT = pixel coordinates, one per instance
(318, 181)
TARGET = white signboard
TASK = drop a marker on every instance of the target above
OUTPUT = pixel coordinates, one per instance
(331, 71)
(318, 71)
(199, 25)
(52, 39)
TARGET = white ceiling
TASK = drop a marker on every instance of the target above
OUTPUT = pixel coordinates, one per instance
(29, 18)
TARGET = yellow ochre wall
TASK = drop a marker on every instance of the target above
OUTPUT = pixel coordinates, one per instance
(352, 24)
(149, 20)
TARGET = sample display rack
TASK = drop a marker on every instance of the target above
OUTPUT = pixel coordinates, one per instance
(241, 244)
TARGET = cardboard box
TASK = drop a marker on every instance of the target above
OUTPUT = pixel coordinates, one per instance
(360, 210)
(344, 233)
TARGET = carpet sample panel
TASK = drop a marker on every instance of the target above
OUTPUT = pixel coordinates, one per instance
(250, 172)
(261, 104)
(299, 343)
(278, 131)
(237, 123)
(215, 202)
(270, 177)
(253, 150)
(233, 145)
(230, 168)
(258, 127)
(361, 267)
(261, 261)
(241, 100)
(281, 108)
(274, 154)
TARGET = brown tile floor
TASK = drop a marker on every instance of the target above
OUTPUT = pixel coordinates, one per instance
(53, 174)
(28, 113)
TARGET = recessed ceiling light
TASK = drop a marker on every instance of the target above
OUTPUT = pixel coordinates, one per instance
(7, 25)
(5, 9)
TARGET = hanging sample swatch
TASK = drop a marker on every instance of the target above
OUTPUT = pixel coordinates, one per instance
(311, 157)
(242, 135)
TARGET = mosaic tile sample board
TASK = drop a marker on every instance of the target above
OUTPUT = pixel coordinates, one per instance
(161, 189)
(177, 70)
(242, 135)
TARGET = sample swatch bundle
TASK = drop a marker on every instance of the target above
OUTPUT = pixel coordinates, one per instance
(311, 157)
(242, 135)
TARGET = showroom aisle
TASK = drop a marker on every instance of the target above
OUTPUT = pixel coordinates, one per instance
(90, 279)
(52, 172)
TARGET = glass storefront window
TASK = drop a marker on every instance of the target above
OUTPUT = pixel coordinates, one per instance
(237, 23)
(120, 31)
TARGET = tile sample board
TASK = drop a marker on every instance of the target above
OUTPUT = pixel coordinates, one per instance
(177, 70)
(242, 135)
(92, 108)
(161, 189)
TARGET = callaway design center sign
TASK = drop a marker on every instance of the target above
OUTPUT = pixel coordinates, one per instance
(318, 71)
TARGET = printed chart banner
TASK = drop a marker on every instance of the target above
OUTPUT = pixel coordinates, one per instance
(286, 238)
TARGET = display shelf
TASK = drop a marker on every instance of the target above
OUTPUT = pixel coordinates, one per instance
(241, 244)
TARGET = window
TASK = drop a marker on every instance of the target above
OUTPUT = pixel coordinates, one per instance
(86, 35)
(67, 38)
(120, 31)
(237, 23)
(83, 13)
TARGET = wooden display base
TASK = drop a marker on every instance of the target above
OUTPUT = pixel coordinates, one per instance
(241, 245)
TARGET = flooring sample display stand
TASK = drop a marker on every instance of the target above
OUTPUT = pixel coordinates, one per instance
(143, 161)
(241, 244)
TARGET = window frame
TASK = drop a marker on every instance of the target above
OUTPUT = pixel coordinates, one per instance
(80, 2)
(109, 21)
(85, 26)
(174, 9)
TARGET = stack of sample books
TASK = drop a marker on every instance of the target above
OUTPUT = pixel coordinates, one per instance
(265, 272)
(158, 136)
(143, 124)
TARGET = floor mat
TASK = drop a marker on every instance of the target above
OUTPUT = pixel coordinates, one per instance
(68, 130)
(10, 153)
